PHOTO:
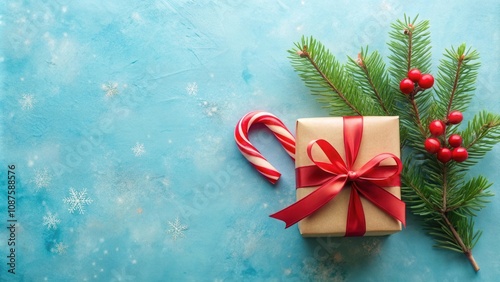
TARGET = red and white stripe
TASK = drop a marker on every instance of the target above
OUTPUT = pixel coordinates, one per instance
(253, 155)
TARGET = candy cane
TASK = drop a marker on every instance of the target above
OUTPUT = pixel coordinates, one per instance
(253, 155)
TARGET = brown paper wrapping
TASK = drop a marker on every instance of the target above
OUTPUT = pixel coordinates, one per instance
(380, 135)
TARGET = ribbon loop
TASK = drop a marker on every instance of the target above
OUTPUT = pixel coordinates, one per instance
(333, 175)
(336, 164)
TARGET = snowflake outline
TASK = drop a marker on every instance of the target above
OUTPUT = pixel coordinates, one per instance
(59, 248)
(77, 200)
(192, 89)
(41, 179)
(176, 229)
(51, 220)
(27, 101)
(110, 89)
(138, 149)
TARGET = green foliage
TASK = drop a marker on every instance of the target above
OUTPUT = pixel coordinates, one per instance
(470, 198)
(481, 134)
(370, 75)
(410, 46)
(456, 80)
(442, 194)
(333, 85)
(419, 197)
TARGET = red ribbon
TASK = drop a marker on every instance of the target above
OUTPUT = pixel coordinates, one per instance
(332, 177)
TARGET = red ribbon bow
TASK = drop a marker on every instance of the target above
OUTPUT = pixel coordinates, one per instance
(332, 177)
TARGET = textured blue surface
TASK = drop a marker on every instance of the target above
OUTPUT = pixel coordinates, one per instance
(136, 101)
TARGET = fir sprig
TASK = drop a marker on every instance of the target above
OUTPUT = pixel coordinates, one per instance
(415, 52)
(369, 73)
(328, 79)
(439, 192)
(481, 134)
(456, 80)
(411, 48)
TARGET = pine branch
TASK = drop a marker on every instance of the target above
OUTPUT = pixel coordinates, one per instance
(369, 72)
(443, 235)
(416, 193)
(470, 198)
(466, 249)
(455, 80)
(410, 46)
(480, 136)
(439, 192)
(328, 79)
(417, 116)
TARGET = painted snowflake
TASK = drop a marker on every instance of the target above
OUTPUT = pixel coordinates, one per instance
(59, 248)
(192, 89)
(27, 102)
(51, 220)
(138, 149)
(41, 179)
(77, 200)
(176, 229)
(110, 89)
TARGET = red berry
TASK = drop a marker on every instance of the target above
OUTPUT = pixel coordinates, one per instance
(406, 86)
(459, 154)
(437, 127)
(432, 145)
(444, 155)
(426, 81)
(414, 75)
(455, 117)
(455, 140)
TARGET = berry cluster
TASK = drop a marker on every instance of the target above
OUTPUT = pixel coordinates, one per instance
(415, 82)
(438, 129)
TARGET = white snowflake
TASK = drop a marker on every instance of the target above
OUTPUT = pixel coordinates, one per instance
(59, 248)
(192, 89)
(176, 229)
(138, 149)
(77, 200)
(51, 220)
(27, 102)
(110, 89)
(41, 179)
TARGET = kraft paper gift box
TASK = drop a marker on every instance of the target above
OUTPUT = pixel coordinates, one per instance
(380, 135)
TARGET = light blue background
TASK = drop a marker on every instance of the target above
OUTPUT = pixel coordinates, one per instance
(181, 73)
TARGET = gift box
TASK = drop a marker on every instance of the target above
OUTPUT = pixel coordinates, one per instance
(371, 168)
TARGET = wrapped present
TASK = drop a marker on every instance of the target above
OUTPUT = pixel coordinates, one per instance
(347, 172)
